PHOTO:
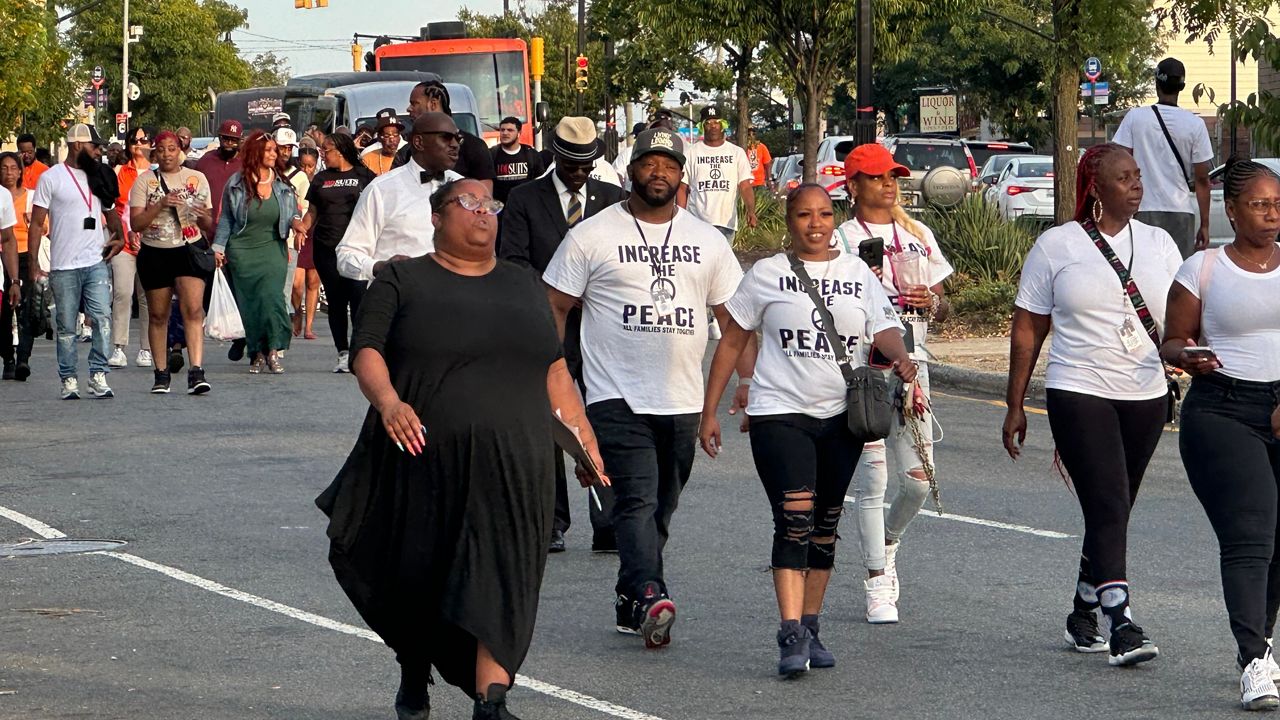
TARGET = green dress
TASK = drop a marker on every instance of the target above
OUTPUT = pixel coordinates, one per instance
(259, 261)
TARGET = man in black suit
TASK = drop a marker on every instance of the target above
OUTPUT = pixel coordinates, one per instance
(535, 220)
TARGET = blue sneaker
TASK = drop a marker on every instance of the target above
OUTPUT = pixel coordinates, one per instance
(819, 655)
(793, 644)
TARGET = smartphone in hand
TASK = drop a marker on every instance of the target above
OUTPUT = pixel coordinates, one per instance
(1197, 352)
(871, 251)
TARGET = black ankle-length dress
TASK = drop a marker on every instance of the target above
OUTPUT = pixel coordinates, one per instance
(444, 549)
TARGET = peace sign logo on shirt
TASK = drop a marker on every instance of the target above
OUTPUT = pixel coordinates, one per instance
(715, 172)
(815, 317)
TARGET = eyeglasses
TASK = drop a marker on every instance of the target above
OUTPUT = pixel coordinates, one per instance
(1260, 207)
(447, 135)
(471, 203)
(142, 141)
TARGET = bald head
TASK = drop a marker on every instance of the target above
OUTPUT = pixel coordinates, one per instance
(435, 142)
(434, 122)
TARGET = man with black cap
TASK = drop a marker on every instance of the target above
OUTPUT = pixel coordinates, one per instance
(644, 271)
(717, 173)
(76, 198)
(389, 222)
(474, 160)
(381, 156)
(534, 222)
(1173, 151)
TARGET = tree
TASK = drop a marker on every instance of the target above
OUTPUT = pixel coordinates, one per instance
(183, 51)
(36, 78)
(268, 70)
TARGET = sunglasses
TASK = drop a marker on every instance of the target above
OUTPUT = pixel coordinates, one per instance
(458, 136)
(471, 203)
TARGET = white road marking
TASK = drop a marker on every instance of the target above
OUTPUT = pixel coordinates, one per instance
(320, 621)
(849, 499)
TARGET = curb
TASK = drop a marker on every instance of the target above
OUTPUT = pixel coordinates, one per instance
(956, 377)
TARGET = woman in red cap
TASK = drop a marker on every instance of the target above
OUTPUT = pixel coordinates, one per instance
(1101, 282)
(904, 254)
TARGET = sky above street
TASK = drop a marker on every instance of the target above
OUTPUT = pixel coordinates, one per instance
(319, 40)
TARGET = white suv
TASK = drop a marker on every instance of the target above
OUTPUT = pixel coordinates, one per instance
(830, 160)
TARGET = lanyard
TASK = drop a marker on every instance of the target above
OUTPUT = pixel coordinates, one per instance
(653, 261)
(88, 200)
(897, 246)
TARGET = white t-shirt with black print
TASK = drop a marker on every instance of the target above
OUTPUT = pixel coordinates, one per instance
(1239, 316)
(1067, 278)
(898, 239)
(713, 175)
(796, 371)
(627, 272)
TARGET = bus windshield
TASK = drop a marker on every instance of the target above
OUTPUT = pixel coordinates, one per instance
(497, 79)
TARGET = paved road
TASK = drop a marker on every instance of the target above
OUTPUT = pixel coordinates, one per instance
(214, 496)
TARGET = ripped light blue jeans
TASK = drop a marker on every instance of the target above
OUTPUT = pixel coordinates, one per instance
(90, 288)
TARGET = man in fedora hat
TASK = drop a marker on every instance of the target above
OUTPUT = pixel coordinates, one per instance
(717, 173)
(381, 156)
(76, 198)
(534, 222)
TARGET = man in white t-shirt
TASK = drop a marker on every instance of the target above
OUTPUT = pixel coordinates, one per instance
(644, 272)
(71, 196)
(717, 173)
(1173, 151)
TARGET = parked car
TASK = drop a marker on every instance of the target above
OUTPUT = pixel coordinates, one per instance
(982, 150)
(989, 172)
(789, 174)
(830, 163)
(1025, 188)
(1220, 232)
(942, 170)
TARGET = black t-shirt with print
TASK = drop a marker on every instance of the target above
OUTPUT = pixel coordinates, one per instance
(334, 194)
(514, 169)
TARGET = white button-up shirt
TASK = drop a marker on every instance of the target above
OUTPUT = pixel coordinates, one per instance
(392, 217)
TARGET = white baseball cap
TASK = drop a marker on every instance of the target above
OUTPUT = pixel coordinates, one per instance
(286, 136)
(81, 133)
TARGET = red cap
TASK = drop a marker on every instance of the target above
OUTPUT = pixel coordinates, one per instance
(872, 159)
(231, 128)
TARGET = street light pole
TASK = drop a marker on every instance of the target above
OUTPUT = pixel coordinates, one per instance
(864, 128)
(582, 44)
(124, 71)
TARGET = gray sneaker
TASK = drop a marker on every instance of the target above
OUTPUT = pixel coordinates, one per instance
(793, 644)
(98, 386)
(70, 389)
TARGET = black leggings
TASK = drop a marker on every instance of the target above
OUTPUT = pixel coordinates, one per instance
(804, 462)
(24, 311)
(340, 293)
(1105, 446)
(1233, 463)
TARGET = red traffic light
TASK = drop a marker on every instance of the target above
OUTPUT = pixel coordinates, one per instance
(582, 61)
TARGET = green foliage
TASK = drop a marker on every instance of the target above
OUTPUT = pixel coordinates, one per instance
(36, 80)
(182, 52)
(268, 70)
(770, 232)
(982, 246)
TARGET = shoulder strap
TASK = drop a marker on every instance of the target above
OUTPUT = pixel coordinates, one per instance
(164, 187)
(828, 322)
(1206, 272)
(1169, 139)
(1126, 280)
(844, 240)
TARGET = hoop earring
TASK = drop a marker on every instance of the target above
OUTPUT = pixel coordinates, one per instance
(1097, 211)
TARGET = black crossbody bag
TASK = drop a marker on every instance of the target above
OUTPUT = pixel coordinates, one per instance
(1191, 183)
(870, 405)
(201, 253)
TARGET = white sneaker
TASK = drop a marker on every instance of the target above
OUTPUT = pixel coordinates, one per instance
(891, 567)
(344, 363)
(117, 359)
(1271, 663)
(1257, 689)
(713, 331)
(882, 607)
(70, 389)
(98, 385)
(144, 359)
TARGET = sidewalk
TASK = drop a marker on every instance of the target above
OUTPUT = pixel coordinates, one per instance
(979, 365)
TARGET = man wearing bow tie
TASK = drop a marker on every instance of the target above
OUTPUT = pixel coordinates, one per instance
(389, 222)
(532, 225)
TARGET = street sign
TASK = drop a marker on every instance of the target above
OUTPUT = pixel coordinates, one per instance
(1095, 89)
(134, 92)
(90, 97)
(938, 113)
(98, 76)
(1093, 69)
(102, 98)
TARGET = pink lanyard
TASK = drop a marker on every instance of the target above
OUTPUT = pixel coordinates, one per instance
(88, 201)
(897, 246)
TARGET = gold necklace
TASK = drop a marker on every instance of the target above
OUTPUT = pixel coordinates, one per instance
(1261, 265)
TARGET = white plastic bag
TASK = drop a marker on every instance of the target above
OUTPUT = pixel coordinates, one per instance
(223, 320)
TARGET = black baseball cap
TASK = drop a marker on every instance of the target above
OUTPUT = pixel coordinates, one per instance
(659, 140)
(710, 112)
(1171, 70)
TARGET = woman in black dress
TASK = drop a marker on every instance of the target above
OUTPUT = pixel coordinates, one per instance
(440, 518)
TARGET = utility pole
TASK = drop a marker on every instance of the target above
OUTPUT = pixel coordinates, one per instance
(582, 42)
(124, 72)
(864, 128)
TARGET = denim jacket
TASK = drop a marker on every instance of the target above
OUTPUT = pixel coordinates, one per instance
(235, 213)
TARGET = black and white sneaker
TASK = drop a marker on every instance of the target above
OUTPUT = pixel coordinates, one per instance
(1130, 646)
(196, 384)
(625, 609)
(657, 615)
(161, 385)
(1082, 632)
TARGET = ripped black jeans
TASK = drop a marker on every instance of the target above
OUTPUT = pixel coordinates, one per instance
(806, 465)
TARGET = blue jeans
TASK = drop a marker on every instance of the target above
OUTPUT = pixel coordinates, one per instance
(89, 287)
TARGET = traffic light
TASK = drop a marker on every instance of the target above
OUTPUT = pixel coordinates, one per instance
(580, 78)
(322, 3)
(302, 4)
(356, 53)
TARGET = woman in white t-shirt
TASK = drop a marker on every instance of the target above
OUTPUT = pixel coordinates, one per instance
(799, 430)
(1106, 395)
(878, 219)
(1228, 299)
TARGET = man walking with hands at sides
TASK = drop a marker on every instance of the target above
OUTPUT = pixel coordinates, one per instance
(644, 272)
(32, 168)
(534, 222)
(217, 166)
(388, 223)
(1173, 151)
(514, 163)
(717, 173)
(72, 197)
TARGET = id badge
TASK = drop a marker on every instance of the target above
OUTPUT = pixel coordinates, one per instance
(662, 299)
(90, 223)
(1130, 337)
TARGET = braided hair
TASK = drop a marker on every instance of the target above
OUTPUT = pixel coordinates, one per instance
(1087, 176)
(1239, 174)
